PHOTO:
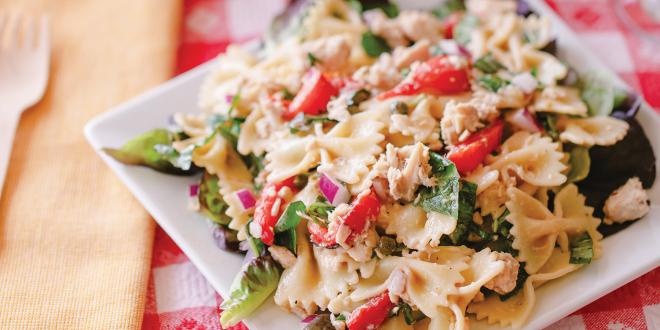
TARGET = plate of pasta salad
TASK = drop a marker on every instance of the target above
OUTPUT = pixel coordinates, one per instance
(422, 165)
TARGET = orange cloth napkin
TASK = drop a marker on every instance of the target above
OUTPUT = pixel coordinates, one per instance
(75, 247)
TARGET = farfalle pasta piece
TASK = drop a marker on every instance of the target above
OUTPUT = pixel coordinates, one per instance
(218, 157)
(317, 277)
(194, 125)
(536, 159)
(601, 130)
(419, 124)
(560, 99)
(516, 310)
(414, 227)
(536, 230)
(263, 128)
(292, 157)
(351, 146)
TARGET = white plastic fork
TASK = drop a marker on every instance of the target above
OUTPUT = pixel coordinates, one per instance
(24, 64)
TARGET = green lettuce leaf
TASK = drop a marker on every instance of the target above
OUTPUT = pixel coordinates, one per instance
(211, 203)
(599, 93)
(148, 150)
(251, 287)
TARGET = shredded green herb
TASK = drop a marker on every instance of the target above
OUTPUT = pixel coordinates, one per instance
(491, 82)
(374, 45)
(582, 250)
(488, 64)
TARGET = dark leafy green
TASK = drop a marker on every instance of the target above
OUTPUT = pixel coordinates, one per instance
(251, 287)
(388, 246)
(549, 123)
(582, 250)
(211, 203)
(143, 150)
(612, 166)
(374, 45)
(390, 9)
(225, 238)
(467, 197)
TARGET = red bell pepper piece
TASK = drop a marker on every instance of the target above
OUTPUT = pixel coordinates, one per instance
(468, 154)
(313, 96)
(365, 207)
(263, 211)
(437, 76)
(371, 314)
(449, 23)
(320, 235)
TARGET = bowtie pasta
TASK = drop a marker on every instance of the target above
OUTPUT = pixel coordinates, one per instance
(405, 169)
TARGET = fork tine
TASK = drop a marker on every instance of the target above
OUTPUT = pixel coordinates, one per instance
(44, 37)
(28, 41)
(13, 26)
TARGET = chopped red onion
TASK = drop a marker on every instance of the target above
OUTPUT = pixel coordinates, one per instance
(525, 81)
(452, 47)
(525, 120)
(229, 98)
(309, 318)
(246, 198)
(193, 190)
(334, 191)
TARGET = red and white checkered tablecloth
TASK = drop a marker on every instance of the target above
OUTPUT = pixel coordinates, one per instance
(179, 297)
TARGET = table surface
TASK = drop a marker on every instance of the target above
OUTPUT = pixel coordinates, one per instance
(179, 297)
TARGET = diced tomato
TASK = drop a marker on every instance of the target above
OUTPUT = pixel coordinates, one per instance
(371, 314)
(470, 153)
(313, 96)
(365, 207)
(437, 76)
(263, 211)
(320, 236)
(449, 23)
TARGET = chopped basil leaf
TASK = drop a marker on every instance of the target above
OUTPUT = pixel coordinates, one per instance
(501, 226)
(534, 72)
(491, 82)
(443, 197)
(340, 317)
(256, 245)
(288, 239)
(313, 59)
(290, 218)
(582, 250)
(449, 7)
(464, 28)
(488, 64)
(410, 315)
(287, 95)
(300, 181)
(390, 9)
(549, 123)
(304, 123)
(374, 45)
(320, 209)
(467, 197)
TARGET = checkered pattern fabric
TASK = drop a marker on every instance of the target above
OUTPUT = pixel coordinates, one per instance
(180, 298)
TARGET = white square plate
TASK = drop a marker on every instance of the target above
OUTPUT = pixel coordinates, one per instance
(627, 254)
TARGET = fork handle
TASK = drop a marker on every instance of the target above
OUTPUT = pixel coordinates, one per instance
(8, 122)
